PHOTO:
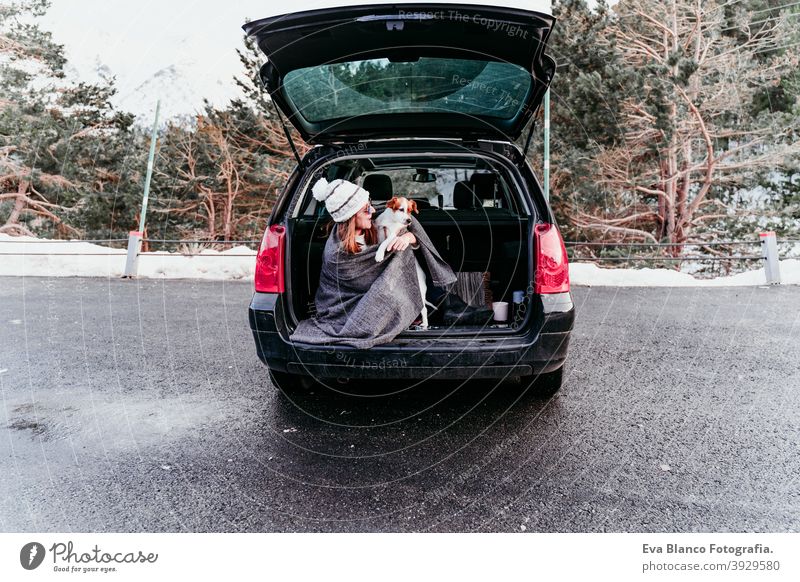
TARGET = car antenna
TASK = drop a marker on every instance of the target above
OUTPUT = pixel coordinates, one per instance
(288, 136)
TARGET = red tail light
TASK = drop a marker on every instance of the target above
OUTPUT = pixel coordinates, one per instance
(269, 262)
(552, 267)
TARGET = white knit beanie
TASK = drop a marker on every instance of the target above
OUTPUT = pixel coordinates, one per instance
(342, 198)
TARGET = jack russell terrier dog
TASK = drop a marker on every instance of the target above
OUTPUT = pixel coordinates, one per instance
(391, 223)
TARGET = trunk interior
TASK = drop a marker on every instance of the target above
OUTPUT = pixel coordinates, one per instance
(472, 216)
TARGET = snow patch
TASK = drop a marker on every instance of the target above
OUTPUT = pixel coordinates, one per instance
(32, 257)
(589, 274)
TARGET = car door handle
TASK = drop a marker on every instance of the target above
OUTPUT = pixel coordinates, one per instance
(447, 241)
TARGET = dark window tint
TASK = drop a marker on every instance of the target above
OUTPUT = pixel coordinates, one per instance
(379, 86)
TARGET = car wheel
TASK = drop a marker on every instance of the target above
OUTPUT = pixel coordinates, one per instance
(289, 383)
(544, 385)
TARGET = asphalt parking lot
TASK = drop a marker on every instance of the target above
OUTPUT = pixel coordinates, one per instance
(141, 406)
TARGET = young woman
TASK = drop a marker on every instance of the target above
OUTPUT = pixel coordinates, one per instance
(358, 231)
(361, 302)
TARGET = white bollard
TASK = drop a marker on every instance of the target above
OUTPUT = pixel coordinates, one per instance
(769, 250)
(134, 246)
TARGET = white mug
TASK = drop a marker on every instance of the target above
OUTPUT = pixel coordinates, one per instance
(500, 309)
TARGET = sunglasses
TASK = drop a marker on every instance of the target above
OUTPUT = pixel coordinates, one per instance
(369, 209)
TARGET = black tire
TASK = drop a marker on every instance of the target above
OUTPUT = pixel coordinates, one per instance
(544, 385)
(289, 383)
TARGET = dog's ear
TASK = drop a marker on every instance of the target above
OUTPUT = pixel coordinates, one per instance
(394, 203)
(412, 206)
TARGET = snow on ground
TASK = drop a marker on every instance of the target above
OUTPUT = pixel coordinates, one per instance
(589, 274)
(21, 257)
(25, 256)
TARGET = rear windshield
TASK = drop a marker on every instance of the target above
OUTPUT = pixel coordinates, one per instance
(380, 86)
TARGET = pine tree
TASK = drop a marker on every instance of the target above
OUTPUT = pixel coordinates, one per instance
(249, 81)
(27, 54)
(63, 144)
(585, 105)
(220, 176)
(688, 119)
(105, 153)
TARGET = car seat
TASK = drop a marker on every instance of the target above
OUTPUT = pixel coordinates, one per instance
(483, 186)
(464, 197)
(379, 187)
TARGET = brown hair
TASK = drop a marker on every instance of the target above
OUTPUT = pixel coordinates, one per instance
(347, 234)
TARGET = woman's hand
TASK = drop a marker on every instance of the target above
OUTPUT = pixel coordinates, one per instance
(402, 242)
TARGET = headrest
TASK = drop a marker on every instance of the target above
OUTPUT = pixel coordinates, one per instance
(463, 198)
(379, 186)
(483, 185)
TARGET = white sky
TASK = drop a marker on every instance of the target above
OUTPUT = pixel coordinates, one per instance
(137, 39)
(192, 43)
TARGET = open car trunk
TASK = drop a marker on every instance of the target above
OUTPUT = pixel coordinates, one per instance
(343, 74)
(471, 213)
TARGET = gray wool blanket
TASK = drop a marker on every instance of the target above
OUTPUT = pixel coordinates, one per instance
(363, 303)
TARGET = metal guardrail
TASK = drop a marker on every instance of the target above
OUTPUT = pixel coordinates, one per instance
(768, 243)
(193, 255)
(683, 244)
(767, 240)
(51, 241)
(673, 245)
(674, 259)
(65, 254)
(122, 251)
(216, 242)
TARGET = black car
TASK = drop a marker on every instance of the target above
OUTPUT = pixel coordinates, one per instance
(426, 104)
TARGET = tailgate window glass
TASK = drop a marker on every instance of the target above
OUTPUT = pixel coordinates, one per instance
(428, 85)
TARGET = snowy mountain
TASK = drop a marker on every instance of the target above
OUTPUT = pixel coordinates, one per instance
(180, 89)
(177, 54)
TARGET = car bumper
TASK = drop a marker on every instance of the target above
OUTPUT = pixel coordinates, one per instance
(542, 348)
